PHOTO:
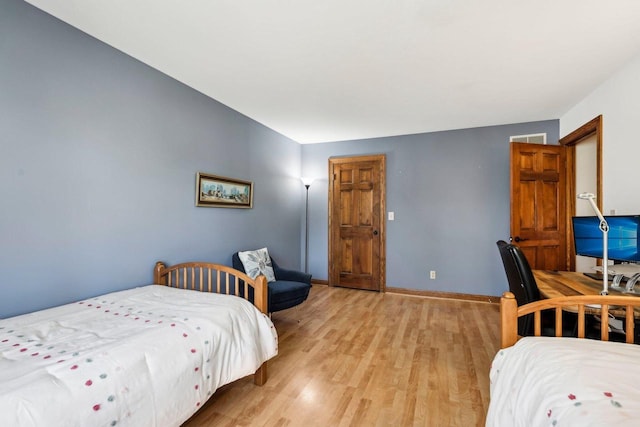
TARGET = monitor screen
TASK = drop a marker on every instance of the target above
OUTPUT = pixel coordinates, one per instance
(622, 242)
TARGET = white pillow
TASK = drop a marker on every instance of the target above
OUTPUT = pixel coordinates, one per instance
(257, 262)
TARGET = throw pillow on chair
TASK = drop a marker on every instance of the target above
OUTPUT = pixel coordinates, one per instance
(256, 263)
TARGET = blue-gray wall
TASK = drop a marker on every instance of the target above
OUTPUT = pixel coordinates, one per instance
(97, 179)
(450, 194)
(97, 169)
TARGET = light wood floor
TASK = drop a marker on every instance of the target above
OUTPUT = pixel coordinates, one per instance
(359, 358)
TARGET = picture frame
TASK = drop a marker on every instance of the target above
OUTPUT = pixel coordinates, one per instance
(213, 191)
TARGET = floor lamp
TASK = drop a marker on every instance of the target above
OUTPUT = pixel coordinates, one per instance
(604, 227)
(307, 183)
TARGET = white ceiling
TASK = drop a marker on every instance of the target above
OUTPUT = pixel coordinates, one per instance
(330, 70)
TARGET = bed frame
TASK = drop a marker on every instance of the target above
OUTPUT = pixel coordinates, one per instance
(208, 277)
(620, 306)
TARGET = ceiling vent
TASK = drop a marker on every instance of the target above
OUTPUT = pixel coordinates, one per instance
(534, 138)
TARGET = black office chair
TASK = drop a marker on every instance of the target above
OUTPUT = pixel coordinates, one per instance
(522, 284)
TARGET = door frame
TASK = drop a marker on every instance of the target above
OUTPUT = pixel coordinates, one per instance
(383, 209)
(592, 127)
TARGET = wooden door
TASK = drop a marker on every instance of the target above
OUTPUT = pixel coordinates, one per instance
(356, 222)
(538, 204)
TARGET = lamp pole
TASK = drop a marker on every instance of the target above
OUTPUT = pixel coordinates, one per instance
(307, 183)
(604, 227)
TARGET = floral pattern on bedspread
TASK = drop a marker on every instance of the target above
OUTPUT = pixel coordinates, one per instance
(546, 381)
(146, 356)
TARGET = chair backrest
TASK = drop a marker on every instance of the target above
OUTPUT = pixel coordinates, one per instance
(521, 281)
(519, 275)
(526, 275)
(513, 275)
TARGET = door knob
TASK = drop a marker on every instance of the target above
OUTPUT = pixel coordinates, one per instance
(375, 232)
(519, 239)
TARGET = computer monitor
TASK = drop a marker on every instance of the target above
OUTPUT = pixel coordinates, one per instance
(622, 242)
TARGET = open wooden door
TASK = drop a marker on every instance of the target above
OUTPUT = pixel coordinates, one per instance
(538, 204)
(356, 222)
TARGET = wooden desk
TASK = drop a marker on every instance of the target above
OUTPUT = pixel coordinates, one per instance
(567, 283)
(570, 283)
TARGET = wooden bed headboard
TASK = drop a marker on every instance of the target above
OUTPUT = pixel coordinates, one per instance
(209, 277)
(620, 306)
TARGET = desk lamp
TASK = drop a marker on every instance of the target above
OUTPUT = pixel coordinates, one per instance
(604, 227)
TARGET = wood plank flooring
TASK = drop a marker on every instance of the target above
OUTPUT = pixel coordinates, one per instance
(360, 358)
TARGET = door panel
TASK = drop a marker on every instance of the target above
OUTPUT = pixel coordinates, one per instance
(538, 210)
(356, 222)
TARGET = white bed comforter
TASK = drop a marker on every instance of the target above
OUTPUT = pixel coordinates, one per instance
(546, 381)
(149, 356)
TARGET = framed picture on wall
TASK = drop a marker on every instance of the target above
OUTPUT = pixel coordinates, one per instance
(215, 191)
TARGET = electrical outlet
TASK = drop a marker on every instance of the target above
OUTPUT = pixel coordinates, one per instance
(432, 275)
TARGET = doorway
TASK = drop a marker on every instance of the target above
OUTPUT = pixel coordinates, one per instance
(584, 174)
(548, 192)
(356, 222)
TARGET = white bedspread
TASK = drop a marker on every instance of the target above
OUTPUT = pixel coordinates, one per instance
(546, 381)
(149, 356)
